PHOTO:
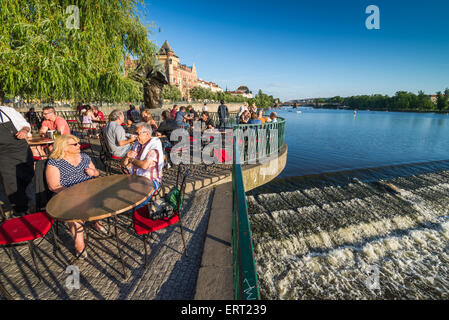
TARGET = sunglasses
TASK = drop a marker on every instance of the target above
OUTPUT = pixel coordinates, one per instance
(74, 144)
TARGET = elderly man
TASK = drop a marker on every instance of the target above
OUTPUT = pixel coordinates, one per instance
(16, 159)
(146, 158)
(53, 122)
(115, 135)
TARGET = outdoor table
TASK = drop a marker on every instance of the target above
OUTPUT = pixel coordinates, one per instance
(39, 142)
(100, 198)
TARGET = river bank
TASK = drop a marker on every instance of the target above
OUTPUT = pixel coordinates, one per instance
(332, 107)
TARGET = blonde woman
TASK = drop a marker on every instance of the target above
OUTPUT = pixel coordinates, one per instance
(66, 167)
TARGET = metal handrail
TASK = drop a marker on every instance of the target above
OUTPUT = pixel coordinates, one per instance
(246, 285)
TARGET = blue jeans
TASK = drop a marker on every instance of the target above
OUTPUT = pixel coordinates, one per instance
(156, 186)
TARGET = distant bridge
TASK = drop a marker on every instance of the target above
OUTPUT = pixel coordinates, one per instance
(312, 103)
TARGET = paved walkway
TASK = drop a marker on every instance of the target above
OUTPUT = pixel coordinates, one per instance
(169, 274)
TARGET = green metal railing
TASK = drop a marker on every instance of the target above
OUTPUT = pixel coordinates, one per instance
(259, 142)
(246, 286)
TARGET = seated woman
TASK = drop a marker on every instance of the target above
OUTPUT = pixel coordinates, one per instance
(88, 124)
(244, 118)
(148, 119)
(66, 167)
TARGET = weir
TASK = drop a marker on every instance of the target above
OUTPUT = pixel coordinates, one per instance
(333, 236)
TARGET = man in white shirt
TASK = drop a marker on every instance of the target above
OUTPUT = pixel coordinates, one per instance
(16, 159)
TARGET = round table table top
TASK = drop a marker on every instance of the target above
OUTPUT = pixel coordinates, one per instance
(39, 141)
(99, 198)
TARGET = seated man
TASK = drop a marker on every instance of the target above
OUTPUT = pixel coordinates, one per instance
(146, 158)
(182, 117)
(116, 135)
(97, 113)
(193, 115)
(166, 127)
(254, 119)
(206, 122)
(133, 115)
(53, 122)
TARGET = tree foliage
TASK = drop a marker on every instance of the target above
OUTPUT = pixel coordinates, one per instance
(171, 93)
(43, 57)
(263, 100)
(200, 94)
(402, 100)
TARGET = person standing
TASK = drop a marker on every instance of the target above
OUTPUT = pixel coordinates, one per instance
(16, 159)
(223, 114)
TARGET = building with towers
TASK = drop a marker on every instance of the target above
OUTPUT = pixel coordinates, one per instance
(178, 74)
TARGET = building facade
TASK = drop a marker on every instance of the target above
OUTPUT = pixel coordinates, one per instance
(209, 85)
(182, 76)
(242, 91)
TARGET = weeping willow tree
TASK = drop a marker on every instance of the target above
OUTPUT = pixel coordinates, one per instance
(71, 49)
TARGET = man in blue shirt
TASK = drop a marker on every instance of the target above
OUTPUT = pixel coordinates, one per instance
(254, 119)
(181, 117)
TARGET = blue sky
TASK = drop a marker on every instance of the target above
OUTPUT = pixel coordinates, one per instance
(300, 49)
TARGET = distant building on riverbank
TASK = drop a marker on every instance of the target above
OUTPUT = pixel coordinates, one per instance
(209, 85)
(434, 98)
(180, 75)
(242, 91)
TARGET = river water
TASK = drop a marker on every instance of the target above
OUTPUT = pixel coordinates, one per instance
(335, 140)
(360, 211)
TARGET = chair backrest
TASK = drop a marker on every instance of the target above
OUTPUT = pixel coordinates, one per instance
(43, 193)
(104, 144)
(2, 213)
(175, 196)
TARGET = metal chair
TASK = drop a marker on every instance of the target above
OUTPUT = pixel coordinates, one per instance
(109, 161)
(144, 225)
(23, 231)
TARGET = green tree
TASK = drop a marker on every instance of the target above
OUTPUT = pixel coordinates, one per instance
(171, 93)
(45, 55)
(441, 101)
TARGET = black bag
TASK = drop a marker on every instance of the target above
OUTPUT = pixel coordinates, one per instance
(160, 209)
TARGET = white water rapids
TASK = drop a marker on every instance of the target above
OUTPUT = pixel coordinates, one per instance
(353, 239)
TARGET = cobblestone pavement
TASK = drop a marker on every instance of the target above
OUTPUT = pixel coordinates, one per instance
(169, 274)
